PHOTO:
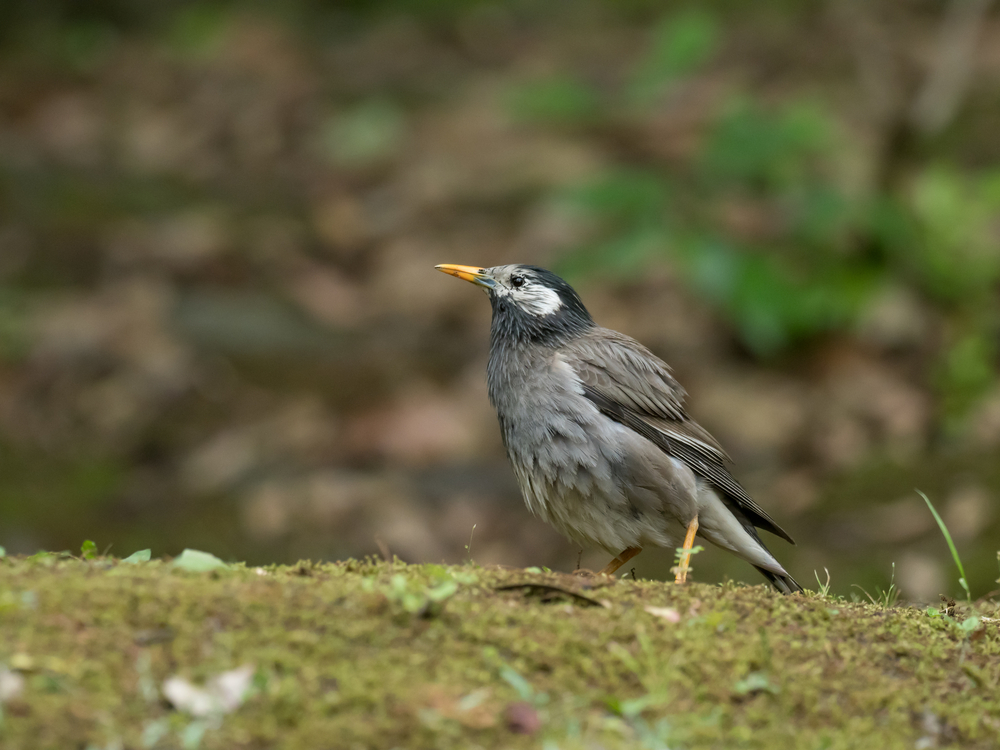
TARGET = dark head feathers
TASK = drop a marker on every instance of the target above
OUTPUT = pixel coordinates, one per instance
(513, 320)
(570, 299)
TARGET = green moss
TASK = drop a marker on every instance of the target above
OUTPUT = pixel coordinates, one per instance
(365, 654)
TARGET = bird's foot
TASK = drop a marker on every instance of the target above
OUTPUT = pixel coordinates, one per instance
(680, 572)
(623, 558)
(683, 566)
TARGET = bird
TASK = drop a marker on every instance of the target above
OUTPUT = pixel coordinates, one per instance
(596, 431)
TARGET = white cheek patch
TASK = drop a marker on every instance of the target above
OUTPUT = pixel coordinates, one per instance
(537, 299)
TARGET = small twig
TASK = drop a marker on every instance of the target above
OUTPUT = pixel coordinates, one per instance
(547, 590)
(824, 588)
(870, 597)
(468, 547)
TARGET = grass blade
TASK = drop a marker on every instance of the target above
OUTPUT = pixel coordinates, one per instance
(951, 545)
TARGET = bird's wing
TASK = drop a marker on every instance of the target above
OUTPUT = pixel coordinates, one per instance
(627, 372)
(631, 385)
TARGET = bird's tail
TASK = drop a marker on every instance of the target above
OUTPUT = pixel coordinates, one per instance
(784, 583)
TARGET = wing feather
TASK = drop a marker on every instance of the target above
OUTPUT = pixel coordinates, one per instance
(629, 384)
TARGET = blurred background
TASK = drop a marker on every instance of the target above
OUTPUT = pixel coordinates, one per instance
(220, 326)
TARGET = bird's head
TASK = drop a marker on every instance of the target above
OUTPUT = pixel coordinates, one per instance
(528, 301)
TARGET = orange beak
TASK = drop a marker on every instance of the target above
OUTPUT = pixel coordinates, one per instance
(474, 274)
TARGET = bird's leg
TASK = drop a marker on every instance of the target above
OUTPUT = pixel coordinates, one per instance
(623, 558)
(579, 559)
(684, 565)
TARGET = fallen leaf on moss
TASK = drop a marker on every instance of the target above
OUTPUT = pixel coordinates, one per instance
(139, 556)
(667, 613)
(197, 561)
(475, 710)
(222, 694)
(522, 718)
(11, 685)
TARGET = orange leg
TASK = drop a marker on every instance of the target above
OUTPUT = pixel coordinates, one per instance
(681, 571)
(623, 558)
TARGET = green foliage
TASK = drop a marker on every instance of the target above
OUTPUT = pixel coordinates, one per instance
(197, 31)
(967, 370)
(773, 301)
(755, 682)
(964, 627)
(559, 100)
(756, 148)
(143, 555)
(196, 561)
(679, 557)
(959, 259)
(522, 687)
(823, 588)
(969, 624)
(679, 45)
(951, 545)
(885, 598)
(417, 597)
(47, 559)
(88, 551)
(623, 198)
(366, 134)
(773, 298)
(765, 219)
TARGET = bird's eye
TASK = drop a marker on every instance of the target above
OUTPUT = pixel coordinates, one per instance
(517, 281)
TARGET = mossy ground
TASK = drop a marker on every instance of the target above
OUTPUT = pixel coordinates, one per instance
(366, 654)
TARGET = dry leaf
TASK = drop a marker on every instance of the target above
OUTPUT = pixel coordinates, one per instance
(11, 685)
(522, 718)
(667, 613)
(474, 710)
(222, 694)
